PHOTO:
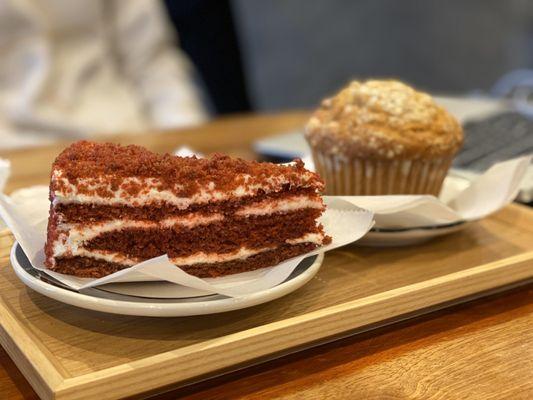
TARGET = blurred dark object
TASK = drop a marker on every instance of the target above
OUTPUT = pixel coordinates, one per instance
(494, 139)
(517, 86)
(207, 34)
(298, 52)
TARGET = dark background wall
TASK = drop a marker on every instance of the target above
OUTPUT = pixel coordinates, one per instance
(297, 51)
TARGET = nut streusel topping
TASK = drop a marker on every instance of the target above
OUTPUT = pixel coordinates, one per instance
(384, 120)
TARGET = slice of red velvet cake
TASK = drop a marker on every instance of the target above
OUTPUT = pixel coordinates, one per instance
(113, 206)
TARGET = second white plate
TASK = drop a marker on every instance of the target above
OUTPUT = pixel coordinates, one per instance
(390, 237)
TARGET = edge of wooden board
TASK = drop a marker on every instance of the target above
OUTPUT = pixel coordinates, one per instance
(38, 370)
(202, 358)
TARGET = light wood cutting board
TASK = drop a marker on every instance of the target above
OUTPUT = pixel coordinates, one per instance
(70, 353)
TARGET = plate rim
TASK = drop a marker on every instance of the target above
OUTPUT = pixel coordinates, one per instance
(168, 309)
(421, 228)
(435, 227)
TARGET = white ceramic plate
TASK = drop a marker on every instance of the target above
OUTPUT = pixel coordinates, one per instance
(389, 237)
(101, 300)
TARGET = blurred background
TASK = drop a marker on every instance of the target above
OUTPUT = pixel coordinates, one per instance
(214, 57)
(73, 68)
(296, 52)
(290, 53)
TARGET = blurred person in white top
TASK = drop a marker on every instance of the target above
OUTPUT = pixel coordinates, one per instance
(73, 67)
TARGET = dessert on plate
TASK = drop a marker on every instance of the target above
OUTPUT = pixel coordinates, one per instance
(114, 206)
(382, 137)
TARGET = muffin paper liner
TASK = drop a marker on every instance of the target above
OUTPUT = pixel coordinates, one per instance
(362, 177)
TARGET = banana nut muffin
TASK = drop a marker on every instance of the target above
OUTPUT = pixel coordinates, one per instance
(382, 137)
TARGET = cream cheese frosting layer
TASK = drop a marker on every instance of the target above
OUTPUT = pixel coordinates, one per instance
(83, 232)
(104, 190)
(78, 233)
(287, 204)
(61, 250)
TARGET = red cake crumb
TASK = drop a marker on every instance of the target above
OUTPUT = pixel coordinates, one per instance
(86, 159)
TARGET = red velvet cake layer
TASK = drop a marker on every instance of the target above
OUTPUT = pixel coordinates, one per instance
(90, 268)
(222, 237)
(90, 213)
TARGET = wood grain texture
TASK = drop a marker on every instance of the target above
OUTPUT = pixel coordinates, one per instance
(91, 352)
(478, 350)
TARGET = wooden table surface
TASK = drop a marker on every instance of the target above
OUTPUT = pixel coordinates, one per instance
(478, 350)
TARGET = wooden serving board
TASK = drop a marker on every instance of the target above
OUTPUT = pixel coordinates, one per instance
(70, 353)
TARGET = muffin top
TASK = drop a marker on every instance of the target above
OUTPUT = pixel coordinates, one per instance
(383, 120)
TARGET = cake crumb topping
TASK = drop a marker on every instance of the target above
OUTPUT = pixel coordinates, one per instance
(84, 163)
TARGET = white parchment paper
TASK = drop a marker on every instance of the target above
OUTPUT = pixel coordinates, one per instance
(490, 192)
(26, 212)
